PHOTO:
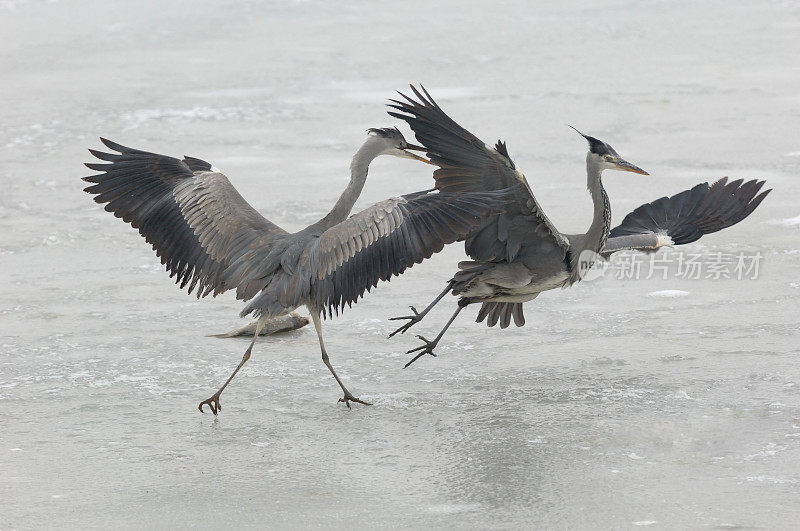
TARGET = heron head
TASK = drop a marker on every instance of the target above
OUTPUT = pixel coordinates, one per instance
(392, 142)
(606, 158)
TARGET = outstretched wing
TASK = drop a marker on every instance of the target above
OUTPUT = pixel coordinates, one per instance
(467, 164)
(391, 236)
(685, 217)
(205, 233)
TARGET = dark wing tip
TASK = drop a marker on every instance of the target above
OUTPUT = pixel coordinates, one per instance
(109, 143)
(690, 214)
(196, 164)
(118, 147)
(502, 148)
(97, 166)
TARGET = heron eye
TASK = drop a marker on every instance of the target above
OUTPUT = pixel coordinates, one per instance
(607, 158)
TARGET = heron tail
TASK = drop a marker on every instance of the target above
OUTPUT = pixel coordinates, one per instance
(501, 312)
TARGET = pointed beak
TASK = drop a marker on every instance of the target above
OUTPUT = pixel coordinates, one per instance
(410, 155)
(415, 147)
(624, 165)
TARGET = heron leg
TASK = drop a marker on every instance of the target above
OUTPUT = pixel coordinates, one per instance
(428, 347)
(348, 396)
(213, 402)
(418, 316)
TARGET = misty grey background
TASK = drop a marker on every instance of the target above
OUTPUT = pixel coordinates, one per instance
(614, 407)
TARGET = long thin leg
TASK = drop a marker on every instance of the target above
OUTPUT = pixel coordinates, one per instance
(428, 347)
(213, 402)
(417, 317)
(348, 397)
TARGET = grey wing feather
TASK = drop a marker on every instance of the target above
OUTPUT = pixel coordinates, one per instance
(467, 164)
(687, 216)
(634, 242)
(205, 233)
(195, 164)
(389, 237)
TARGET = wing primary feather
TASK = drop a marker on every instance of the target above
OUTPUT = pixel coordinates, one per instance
(185, 218)
(687, 216)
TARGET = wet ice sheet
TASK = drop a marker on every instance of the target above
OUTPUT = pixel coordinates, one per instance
(611, 408)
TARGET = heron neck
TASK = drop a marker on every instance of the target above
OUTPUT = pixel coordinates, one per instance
(600, 228)
(359, 167)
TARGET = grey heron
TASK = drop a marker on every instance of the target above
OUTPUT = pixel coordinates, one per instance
(517, 254)
(211, 240)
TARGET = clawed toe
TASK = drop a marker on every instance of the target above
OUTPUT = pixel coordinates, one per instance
(350, 398)
(412, 320)
(212, 403)
(426, 348)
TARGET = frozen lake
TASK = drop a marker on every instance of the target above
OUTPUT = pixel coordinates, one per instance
(670, 403)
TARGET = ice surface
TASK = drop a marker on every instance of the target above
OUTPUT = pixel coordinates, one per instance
(789, 222)
(669, 293)
(609, 409)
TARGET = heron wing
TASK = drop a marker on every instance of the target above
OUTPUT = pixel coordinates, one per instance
(467, 164)
(391, 236)
(686, 216)
(205, 233)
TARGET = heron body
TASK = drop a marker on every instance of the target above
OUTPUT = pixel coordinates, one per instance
(518, 253)
(509, 282)
(211, 240)
(535, 264)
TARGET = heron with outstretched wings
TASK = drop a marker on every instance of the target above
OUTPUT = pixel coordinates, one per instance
(518, 253)
(211, 240)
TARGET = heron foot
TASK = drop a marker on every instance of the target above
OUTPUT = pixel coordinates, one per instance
(347, 398)
(212, 403)
(427, 348)
(412, 320)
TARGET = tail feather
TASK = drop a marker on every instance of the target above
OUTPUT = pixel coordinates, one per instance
(501, 312)
(484, 311)
(505, 317)
(519, 318)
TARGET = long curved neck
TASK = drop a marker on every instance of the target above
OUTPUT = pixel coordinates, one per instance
(359, 167)
(595, 238)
